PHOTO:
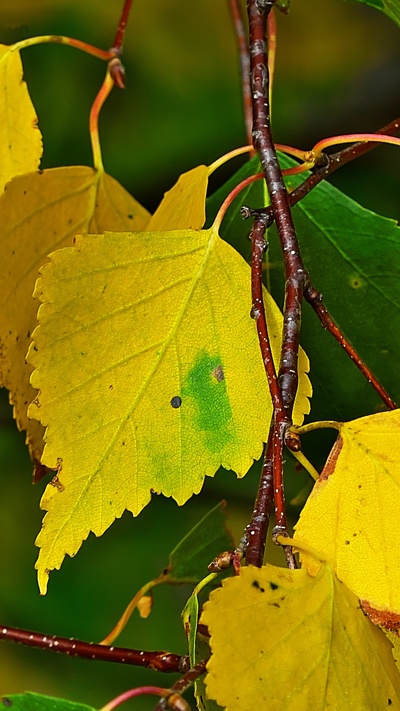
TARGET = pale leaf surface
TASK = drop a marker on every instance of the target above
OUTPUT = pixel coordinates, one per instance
(351, 516)
(20, 138)
(39, 213)
(150, 376)
(184, 206)
(281, 639)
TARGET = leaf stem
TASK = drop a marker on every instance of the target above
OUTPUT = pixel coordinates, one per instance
(116, 631)
(139, 691)
(302, 459)
(97, 105)
(159, 661)
(351, 138)
(59, 39)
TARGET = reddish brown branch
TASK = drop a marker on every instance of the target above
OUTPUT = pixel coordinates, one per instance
(259, 245)
(256, 531)
(120, 34)
(244, 57)
(180, 686)
(160, 661)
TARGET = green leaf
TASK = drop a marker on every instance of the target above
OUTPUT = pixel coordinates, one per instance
(352, 255)
(391, 8)
(29, 701)
(189, 560)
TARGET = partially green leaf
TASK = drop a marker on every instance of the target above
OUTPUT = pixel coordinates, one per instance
(152, 393)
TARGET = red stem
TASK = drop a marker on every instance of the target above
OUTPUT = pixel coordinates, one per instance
(160, 661)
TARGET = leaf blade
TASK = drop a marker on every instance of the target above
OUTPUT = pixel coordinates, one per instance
(295, 642)
(193, 403)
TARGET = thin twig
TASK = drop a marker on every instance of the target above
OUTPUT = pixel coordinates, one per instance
(160, 661)
(244, 58)
(314, 298)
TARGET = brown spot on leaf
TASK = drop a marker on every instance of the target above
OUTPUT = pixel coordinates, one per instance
(330, 465)
(57, 483)
(387, 619)
(218, 373)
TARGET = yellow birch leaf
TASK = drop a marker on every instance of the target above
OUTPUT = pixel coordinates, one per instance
(20, 138)
(351, 517)
(40, 212)
(150, 376)
(184, 206)
(281, 639)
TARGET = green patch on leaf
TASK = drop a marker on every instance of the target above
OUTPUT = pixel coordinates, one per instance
(206, 385)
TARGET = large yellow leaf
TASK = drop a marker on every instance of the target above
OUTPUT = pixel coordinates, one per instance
(40, 212)
(150, 376)
(20, 138)
(352, 515)
(281, 639)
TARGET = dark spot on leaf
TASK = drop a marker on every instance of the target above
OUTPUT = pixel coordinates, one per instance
(346, 543)
(218, 373)
(130, 217)
(70, 221)
(275, 604)
(123, 444)
(389, 702)
(8, 702)
(273, 586)
(176, 402)
(111, 387)
(257, 585)
(360, 486)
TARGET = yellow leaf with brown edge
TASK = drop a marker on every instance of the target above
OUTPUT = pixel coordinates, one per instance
(20, 139)
(40, 212)
(149, 374)
(281, 639)
(351, 517)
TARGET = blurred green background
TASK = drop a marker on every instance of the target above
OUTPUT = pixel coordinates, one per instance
(337, 72)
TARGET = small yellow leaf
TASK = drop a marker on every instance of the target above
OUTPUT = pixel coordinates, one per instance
(281, 639)
(39, 213)
(150, 376)
(20, 138)
(144, 606)
(351, 516)
(184, 206)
